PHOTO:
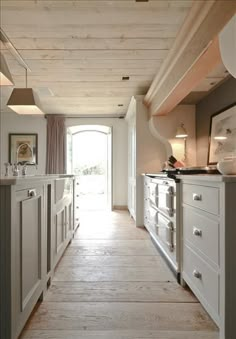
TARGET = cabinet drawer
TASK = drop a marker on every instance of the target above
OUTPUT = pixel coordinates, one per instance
(202, 278)
(205, 198)
(202, 232)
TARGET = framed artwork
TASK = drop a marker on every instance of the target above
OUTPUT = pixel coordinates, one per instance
(23, 148)
(222, 138)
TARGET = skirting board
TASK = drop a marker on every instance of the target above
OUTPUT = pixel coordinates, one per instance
(120, 207)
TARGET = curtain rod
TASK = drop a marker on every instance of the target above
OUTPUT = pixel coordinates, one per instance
(85, 117)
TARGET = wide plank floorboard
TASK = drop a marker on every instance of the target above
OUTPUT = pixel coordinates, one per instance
(132, 334)
(119, 316)
(119, 292)
(113, 284)
(100, 273)
(115, 260)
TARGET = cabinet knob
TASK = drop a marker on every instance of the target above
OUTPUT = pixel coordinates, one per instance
(197, 274)
(197, 232)
(32, 193)
(197, 197)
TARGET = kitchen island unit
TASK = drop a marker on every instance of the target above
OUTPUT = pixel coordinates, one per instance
(36, 225)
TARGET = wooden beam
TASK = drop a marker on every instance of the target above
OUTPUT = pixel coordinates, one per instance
(191, 48)
(204, 65)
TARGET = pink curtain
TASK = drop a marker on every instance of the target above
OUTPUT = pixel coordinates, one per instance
(56, 148)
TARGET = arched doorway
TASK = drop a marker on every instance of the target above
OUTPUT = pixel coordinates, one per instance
(90, 158)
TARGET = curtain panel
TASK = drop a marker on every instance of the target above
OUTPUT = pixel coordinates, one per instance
(56, 145)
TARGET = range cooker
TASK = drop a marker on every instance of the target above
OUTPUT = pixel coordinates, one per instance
(161, 216)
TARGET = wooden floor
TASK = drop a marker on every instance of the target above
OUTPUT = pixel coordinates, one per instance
(113, 284)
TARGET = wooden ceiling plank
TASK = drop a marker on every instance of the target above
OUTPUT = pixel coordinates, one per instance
(210, 18)
(98, 92)
(155, 4)
(57, 77)
(105, 101)
(91, 64)
(92, 54)
(85, 84)
(91, 43)
(68, 15)
(88, 73)
(93, 31)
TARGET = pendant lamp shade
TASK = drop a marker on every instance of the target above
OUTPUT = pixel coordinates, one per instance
(5, 75)
(181, 132)
(24, 101)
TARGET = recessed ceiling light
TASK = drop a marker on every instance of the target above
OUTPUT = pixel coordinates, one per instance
(125, 78)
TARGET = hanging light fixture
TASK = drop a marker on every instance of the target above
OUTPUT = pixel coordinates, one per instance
(5, 75)
(24, 100)
(181, 132)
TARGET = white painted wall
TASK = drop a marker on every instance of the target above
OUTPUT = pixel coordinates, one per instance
(120, 153)
(14, 123)
(167, 125)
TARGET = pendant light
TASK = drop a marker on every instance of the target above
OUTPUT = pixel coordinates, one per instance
(5, 75)
(24, 100)
(181, 132)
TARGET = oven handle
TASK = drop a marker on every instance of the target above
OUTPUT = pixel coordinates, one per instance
(170, 229)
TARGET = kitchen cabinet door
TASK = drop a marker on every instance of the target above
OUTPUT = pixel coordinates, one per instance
(29, 253)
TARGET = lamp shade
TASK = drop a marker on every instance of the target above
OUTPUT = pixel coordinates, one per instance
(181, 132)
(5, 75)
(24, 101)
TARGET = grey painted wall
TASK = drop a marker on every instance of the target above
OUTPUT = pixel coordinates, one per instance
(220, 98)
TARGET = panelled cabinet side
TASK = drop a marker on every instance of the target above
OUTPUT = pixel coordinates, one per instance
(5, 262)
(27, 245)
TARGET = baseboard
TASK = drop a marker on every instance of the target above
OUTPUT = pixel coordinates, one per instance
(120, 208)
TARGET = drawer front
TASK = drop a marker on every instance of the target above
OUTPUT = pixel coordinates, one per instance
(202, 232)
(165, 231)
(201, 277)
(152, 215)
(205, 198)
(152, 193)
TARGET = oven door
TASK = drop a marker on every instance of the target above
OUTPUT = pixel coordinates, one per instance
(165, 198)
(165, 230)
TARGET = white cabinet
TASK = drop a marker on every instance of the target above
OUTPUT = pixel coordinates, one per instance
(208, 246)
(36, 225)
(142, 156)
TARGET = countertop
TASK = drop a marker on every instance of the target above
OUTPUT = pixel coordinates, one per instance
(11, 180)
(203, 177)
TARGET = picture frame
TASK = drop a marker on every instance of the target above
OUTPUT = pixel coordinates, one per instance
(28, 152)
(222, 135)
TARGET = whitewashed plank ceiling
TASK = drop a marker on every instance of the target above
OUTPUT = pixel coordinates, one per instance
(79, 51)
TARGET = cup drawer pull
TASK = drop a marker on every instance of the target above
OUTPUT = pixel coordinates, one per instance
(197, 197)
(32, 193)
(197, 274)
(197, 232)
